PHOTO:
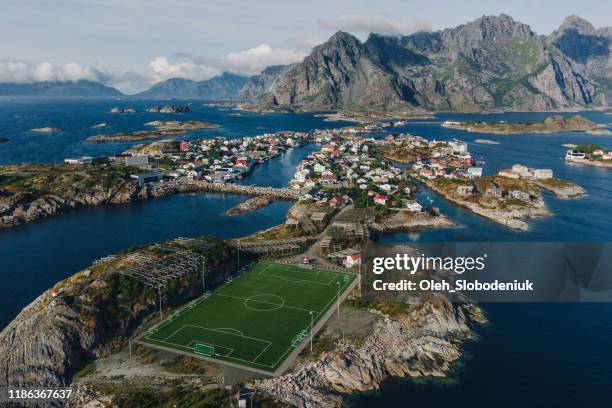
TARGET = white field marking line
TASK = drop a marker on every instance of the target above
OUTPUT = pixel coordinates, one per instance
(295, 270)
(190, 349)
(251, 299)
(262, 351)
(261, 301)
(180, 346)
(231, 334)
(296, 280)
(303, 271)
(230, 328)
(316, 320)
(176, 331)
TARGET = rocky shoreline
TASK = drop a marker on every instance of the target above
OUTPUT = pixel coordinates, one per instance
(424, 342)
(162, 129)
(515, 219)
(562, 190)
(250, 205)
(407, 221)
(552, 124)
(595, 163)
(19, 208)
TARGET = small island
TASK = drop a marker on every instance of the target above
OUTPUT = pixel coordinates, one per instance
(486, 141)
(123, 110)
(46, 129)
(551, 124)
(250, 205)
(162, 129)
(169, 109)
(592, 155)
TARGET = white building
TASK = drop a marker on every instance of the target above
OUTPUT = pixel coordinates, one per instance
(543, 173)
(413, 206)
(474, 171)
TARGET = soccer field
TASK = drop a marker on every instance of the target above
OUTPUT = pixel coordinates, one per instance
(255, 320)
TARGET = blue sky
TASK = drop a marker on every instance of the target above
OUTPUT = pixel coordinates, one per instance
(133, 43)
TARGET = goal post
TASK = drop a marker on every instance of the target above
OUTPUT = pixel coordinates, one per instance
(204, 349)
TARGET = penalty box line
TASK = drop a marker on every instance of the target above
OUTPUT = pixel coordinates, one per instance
(187, 347)
(269, 343)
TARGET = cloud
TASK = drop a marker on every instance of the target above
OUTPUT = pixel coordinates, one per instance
(130, 82)
(164, 69)
(27, 72)
(201, 67)
(375, 23)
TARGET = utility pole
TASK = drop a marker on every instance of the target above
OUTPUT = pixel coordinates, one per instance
(311, 333)
(338, 284)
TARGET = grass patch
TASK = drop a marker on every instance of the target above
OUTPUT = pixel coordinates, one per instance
(86, 371)
(190, 365)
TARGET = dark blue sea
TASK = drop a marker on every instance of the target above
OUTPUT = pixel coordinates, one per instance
(530, 354)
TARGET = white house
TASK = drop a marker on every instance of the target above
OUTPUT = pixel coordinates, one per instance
(352, 260)
(413, 206)
(474, 171)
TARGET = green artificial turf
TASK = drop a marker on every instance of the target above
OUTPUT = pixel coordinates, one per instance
(257, 318)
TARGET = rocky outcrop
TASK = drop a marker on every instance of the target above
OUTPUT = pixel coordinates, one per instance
(18, 208)
(424, 342)
(94, 311)
(491, 63)
(589, 49)
(260, 86)
(250, 205)
(552, 124)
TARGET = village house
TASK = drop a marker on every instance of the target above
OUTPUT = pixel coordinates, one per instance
(496, 192)
(519, 194)
(413, 206)
(380, 199)
(352, 260)
(465, 189)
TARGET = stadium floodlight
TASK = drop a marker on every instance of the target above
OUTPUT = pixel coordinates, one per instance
(161, 314)
(311, 324)
(338, 284)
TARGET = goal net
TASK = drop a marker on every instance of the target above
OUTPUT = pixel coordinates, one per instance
(203, 349)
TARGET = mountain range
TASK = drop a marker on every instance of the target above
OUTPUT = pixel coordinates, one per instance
(78, 89)
(224, 86)
(493, 62)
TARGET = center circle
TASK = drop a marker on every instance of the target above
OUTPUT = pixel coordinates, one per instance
(264, 302)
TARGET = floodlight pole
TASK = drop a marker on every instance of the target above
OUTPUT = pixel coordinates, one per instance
(161, 314)
(311, 333)
(338, 283)
(203, 270)
(237, 255)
